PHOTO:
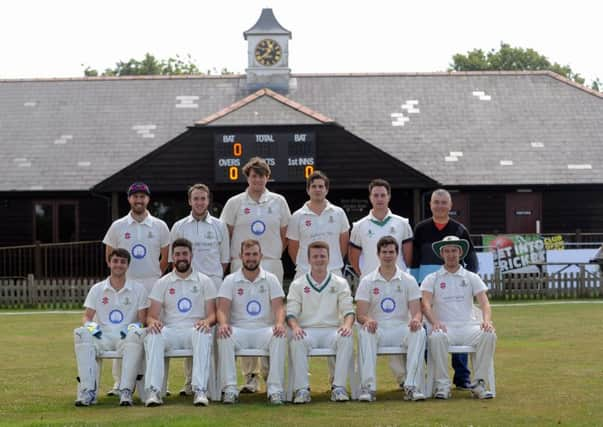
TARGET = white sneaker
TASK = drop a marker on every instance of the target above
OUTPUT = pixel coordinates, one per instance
(187, 390)
(442, 393)
(339, 394)
(125, 398)
(153, 399)
(479, 390)
(411, 393)
(86, 398)
(252, 384)
(276, 398)
(230, 397)
(366, 395)
(302, 396)
(200, 398)
(114, 391)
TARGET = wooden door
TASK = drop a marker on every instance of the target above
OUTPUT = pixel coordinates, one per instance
(460, 209)
(522, 212)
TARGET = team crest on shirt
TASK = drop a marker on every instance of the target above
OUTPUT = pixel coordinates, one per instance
(172, 291)
(464, 284)
(333, 290)
(209, 235)
(240, 291)
(262, 289)
(116, 317)
(254, 308)
(126, 301)
(246, 211)
(184, 305)
(392, 230)
(376, 291)
(258, 227)
(443, 285)
(139, 251)
(195, 289)
(398, 288)
(307, 289)
(308, 222)
(331, 220)
(127, 235)
(269, 210)
(105, 300)
(388, 305)
(150, 235)
(370, 233)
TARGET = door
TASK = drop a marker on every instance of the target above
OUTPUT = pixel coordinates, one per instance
(522, 212)
(460, 209)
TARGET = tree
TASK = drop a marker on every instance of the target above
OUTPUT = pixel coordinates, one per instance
(150, 65)
(510, 58)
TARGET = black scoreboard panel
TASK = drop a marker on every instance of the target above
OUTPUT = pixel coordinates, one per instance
(290, 155)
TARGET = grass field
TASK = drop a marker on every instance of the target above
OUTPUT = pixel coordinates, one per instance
(549, 369)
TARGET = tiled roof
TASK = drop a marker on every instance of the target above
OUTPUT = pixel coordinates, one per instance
(502, 128)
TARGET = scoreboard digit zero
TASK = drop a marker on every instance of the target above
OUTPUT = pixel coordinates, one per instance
(290, 155)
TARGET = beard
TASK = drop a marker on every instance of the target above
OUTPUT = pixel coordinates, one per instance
(182, 266)
(251, 265)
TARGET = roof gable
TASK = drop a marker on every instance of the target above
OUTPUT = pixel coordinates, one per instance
(265, 107)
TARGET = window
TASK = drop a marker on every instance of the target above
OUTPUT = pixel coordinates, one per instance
(56, 221)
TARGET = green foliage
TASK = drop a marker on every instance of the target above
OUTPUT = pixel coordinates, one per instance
(509, 58)
(152, 66)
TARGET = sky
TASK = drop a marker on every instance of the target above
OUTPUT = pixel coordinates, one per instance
(59, 38)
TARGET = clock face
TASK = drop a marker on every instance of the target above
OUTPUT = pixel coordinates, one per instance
(268, 52)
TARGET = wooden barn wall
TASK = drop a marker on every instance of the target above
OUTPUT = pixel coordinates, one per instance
(487, 212)
(565, 211)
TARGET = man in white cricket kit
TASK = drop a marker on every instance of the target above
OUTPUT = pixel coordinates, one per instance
(318, 220)
(181, 316)
(320, 314)
(211, 248)
(115, 311)
(147, 239)
(367, 231)
(448, 305)
(261, 215)
(251, 315)
(388, 306)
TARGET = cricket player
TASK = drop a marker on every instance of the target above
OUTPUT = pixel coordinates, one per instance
(211, 248)
(113, 320)
(147, 240)
(366, 232)
(425, 261)
(448, 305)
(262, 215)
(318, 220)
(181, 316)
(251, 315)
(320, 314)
(388, 306)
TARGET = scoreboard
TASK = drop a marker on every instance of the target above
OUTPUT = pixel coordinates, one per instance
(290, 155)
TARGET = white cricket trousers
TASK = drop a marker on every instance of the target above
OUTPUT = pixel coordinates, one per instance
(460, 334)
(321, 338)
(87, 347)
(156, 345)
(257, 365)
(252, 338)
(392, 336)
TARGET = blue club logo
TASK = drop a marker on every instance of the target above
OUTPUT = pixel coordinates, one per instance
(388, 305)
(258, 227)
(184, 305)
(139, 251)
(254, 308)
(116, 317)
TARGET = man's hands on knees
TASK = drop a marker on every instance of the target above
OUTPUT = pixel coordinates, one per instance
(439, 327)
(279, 330)
(203, 325)
(224, 330)
(155, 326)
(487, 326)
(370, 325)
(298, 333)
(415, 325)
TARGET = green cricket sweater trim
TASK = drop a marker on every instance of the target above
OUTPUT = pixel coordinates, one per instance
(313, 285)
(381, 223)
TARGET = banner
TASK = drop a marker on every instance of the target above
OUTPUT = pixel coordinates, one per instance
(517, 252)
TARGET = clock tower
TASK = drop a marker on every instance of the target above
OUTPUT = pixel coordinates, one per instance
(268, 54)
